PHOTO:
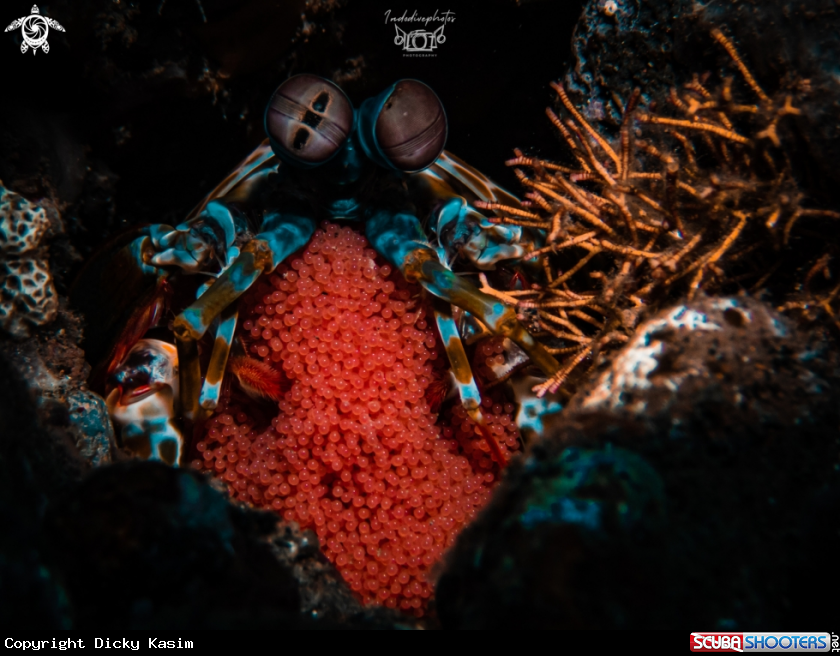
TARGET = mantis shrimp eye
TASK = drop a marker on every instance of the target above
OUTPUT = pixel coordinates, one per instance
(308, 120)
(404, 128)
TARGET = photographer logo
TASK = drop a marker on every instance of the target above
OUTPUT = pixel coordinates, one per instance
(34, 30)
(420, 42)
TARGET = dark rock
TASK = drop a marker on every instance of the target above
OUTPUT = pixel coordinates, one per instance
(673, 489)
(36, 464)
(55, 370)
(567, 522)
(141, 544)
(89, 419)
(693, 361)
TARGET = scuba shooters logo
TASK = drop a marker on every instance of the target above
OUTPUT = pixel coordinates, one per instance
(34, 30)
(420, 42)
(763, 642)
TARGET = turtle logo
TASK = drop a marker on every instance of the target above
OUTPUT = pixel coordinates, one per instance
(34, 29)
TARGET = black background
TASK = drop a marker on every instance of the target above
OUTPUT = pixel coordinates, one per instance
(64, 111)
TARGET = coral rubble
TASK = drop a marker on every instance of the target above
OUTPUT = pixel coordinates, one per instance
(27, 293)
(697, 199)
(658, 44)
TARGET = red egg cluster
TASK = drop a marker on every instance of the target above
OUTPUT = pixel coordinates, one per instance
(498, 414)
(354, 451)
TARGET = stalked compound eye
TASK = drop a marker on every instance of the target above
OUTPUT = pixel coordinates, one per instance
(404, 127)
(308, 119)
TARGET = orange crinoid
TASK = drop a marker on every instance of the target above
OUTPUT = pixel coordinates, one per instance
(353, 450)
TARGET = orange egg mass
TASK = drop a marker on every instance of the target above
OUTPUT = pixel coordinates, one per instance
(353, 450)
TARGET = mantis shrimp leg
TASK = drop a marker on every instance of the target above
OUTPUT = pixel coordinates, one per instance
(400, 239)
(282, 235)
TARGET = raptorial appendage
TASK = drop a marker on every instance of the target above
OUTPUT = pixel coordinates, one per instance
(143, 400)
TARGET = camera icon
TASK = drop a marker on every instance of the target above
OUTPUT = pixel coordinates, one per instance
(419, 40)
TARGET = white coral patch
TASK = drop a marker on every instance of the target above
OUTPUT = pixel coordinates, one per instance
(631, 369)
